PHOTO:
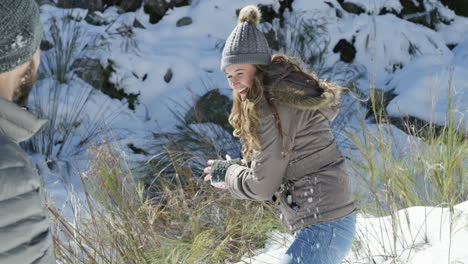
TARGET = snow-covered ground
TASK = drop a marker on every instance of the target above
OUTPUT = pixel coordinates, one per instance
(416, 235)
(409, 59)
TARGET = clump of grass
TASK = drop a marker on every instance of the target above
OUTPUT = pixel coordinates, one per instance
(429, 169)
(62, 98)
(189, 223)
(69, 43)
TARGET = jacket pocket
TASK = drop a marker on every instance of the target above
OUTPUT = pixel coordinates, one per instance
(287, 205)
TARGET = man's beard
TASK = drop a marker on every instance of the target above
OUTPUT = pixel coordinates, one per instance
(21, 93)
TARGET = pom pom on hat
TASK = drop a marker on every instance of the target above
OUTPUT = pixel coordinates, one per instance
(250, 14)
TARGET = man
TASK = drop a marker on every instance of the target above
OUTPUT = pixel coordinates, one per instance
(25, 235)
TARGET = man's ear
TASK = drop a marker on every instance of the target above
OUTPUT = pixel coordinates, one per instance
(6, 85)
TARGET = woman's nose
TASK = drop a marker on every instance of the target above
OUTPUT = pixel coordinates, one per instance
(234, 82)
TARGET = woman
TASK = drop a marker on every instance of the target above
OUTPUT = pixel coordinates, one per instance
(281, 115)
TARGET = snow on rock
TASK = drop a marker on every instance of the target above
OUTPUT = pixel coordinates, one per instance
(375, 6)
(387, 43)
(429, 84)
(455, 31)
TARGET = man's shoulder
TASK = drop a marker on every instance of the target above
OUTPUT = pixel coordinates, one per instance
(11, 154)
(17, 173)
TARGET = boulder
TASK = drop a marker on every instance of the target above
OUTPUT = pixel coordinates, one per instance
(352, 8)
(45, 2)
(346, 49)
(409, 7)
(156, 9)
(91, 71)
(46, 45)
(124, 5)
(95, 18)
(138, 24)
(168, 75)
(460, 7)
(96, 5)
(185, 21)
(212, 107)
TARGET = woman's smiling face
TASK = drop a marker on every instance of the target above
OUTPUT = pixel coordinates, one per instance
(241, 78)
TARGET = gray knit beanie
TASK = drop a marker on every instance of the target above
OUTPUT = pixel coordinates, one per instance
(246, 44)
(20, 32)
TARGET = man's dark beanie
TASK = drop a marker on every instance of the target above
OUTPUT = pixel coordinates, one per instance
(20, 32)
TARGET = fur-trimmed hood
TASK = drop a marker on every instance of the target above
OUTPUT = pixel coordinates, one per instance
(287, 85)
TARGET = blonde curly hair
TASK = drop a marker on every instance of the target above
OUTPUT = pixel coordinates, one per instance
(244, 118)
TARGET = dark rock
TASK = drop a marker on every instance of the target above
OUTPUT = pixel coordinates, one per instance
(179, 3)
(156, 9)
(124, 5)
(412, 49)
(329, 4)
(95, 18)
(410, 8)
(428, 19)
(185, 21)
(96, 5)
(168, 75)
(271, 39)
(268, 13)
(136, 149)
(45, 2)
(352, 8)
(137, 24)
(46, 45)
(284, 4)
(101, 5)
(460, 7)
(212, 107)
(385, 11)
(419, 14)
(91, 71)
(347, 50)
(339, 14)
(451, 46)
(424, 129)
(397, 66)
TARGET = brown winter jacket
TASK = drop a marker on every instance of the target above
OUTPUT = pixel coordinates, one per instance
(307, 171)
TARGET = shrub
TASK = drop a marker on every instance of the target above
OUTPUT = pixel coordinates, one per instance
(427, 168)
(193, 223)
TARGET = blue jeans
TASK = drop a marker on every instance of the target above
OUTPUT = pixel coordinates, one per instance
(324, 243)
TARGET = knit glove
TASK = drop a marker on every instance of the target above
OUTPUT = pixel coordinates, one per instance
(219, 168)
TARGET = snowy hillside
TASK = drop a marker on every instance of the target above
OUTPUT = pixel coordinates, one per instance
(418, 60)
